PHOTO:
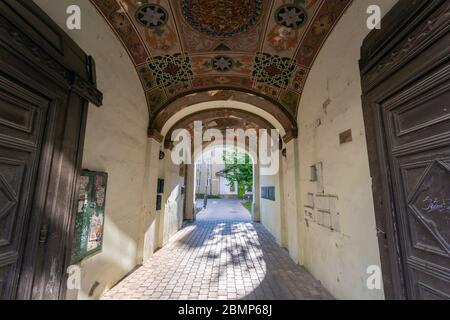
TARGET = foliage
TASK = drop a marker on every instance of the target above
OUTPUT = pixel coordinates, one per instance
(238, 170)
(247, 205)
(202, 196)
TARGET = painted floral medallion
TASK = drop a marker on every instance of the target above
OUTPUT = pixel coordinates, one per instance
(222, 18)
(291, 16)
(152, 16)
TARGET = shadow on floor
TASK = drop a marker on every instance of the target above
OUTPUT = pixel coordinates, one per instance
(218, 257)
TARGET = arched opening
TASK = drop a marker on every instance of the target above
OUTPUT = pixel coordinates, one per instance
(224, 190)
(243, 125)
(237, 99)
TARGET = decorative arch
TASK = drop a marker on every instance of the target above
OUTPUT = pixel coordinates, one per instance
(263, 47)
(220, 119)
(221, 98)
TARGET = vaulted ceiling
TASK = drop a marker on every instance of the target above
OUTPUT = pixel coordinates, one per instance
(262, 47)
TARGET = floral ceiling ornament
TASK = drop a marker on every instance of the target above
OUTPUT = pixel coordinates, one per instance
(264, 47)
(171, 69)
(152, 15)
(272, 70)
(222, 63)
(222, 18)
(291, 16)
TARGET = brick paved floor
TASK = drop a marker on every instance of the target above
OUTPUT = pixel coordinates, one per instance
(220, 258)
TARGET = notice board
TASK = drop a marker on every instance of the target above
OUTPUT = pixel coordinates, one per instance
(90, 218)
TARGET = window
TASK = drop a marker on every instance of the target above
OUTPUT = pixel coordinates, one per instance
(268, 193)
(160, 188)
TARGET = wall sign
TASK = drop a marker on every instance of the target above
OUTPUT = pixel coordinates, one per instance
(90, 218)
(345, 137)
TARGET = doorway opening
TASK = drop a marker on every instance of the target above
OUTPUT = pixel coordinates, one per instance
(224, 184)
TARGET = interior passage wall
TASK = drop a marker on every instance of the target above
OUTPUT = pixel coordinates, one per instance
(173, 199)
(270, 210)
(150, 218)
(115, 142)
(330, 105)
(289, 214)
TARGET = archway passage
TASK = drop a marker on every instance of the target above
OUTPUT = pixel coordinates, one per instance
(248, 104)
(228, 153)
(222, 252)
(225, 180)
(358, 194)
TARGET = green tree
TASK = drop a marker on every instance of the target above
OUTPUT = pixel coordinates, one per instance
(238, 171)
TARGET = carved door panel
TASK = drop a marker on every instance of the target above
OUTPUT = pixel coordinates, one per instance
(417, 125)
(22, 122)
(405, 70)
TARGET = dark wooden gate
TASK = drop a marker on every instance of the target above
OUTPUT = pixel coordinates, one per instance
(406, 101)
(46, 82)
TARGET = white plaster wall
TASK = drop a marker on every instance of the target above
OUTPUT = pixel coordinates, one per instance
(149, 222)
(115, 143)
(190, 192)
(203, 172)
(290, 206)
(217, 187)
(256, 193)
(173, 200)
(225, 188)
(270, 211)
(339, 259)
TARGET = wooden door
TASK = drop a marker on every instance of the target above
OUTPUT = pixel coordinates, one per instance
(23, 116)
(406, 80)
(46, 81)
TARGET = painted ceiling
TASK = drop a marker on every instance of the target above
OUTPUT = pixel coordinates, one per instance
(265, 47)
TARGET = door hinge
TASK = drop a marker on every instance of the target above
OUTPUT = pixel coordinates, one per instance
(43, 234)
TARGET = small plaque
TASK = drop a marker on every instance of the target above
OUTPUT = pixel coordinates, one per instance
(346, 137)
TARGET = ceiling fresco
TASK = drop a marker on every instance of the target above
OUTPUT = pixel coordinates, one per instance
(264, 47)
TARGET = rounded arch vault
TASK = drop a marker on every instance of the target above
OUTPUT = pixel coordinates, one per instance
(189, 48)
(220, 119)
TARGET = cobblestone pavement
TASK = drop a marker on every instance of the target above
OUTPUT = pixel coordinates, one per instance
(223, 210)
(220, 258)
